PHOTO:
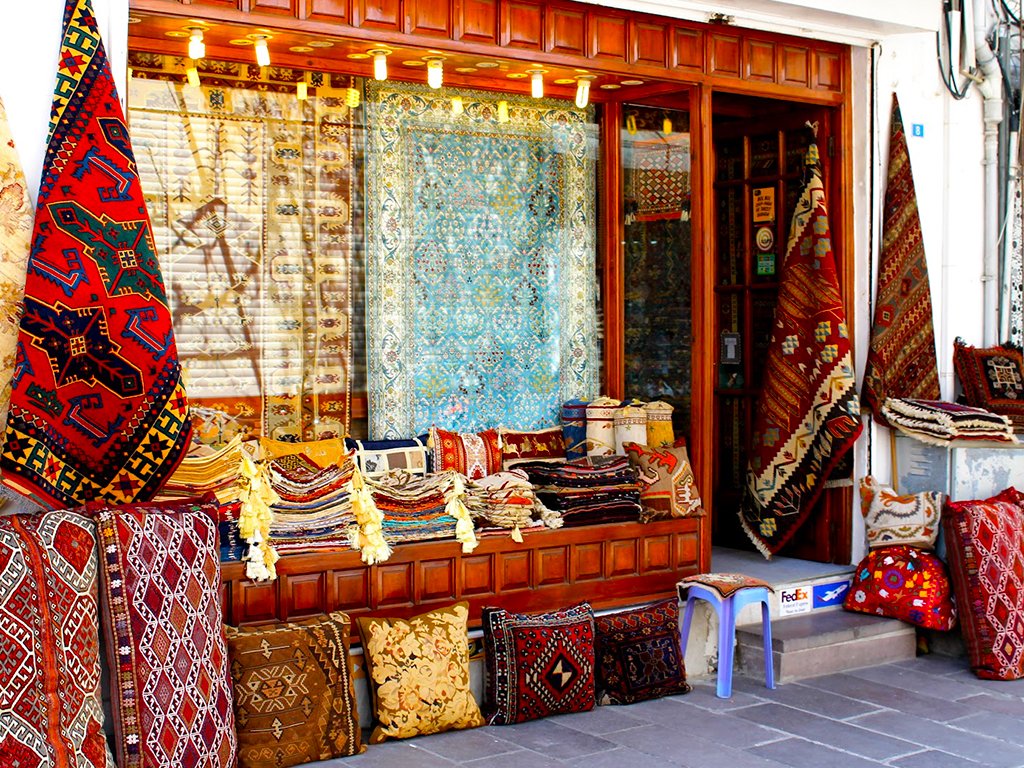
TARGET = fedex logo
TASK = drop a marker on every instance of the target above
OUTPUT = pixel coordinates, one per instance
(793, 595)
(794, 600)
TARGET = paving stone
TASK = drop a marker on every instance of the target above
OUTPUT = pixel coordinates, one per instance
(682, 746)
(942, 686)
(601, 720)
(621, 757)
(522, 759)
(894, 698)
(1003, 727)
(723, 727)
(703, 695)
(804, 754)
(468, 744)
(934, 664)
(944, 737)
(1006, 687)
(843, 736)
(392, 754)
(990, 703)
(933, 759)
(810, 700)
(554, 739)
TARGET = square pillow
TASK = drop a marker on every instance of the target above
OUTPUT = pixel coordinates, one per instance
(324, 453)
(418, 671)
(163, 621)
(538, 664)
(637, 654)
(375, 458)
(294, 697)
(538, 445)
(906, 583)
(992, 378)
(890, 518)
(574, 428)
(668, 487)
(49, 640)
(473, 454)
(985, 552)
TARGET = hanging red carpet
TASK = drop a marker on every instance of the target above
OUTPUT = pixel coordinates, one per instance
(98, 410)
(901, 357)
(808, 410)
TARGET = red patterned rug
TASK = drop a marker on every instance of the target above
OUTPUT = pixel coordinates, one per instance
(808, 412)
(98, 410)
(901, 358)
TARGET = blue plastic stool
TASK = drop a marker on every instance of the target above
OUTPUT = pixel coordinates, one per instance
(727, 608)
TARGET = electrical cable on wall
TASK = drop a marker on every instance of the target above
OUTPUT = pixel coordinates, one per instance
(947, 49)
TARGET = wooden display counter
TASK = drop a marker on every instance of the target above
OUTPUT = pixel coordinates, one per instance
(609, 565)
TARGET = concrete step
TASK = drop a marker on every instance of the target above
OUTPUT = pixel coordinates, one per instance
(822, 643)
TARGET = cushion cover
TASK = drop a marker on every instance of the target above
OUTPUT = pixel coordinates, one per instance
(903, 582)
(574, 428)
(49, 639)
(659, 424)
(668, 487)
(294, 698)
(538, 664)
(985, 552)
(992, 378)
(601, 426)
(375, 458)
(890, 518)
(630, 426)
(474, 455)
(637, 654)
(538, 445)
(418, 671)
(322, 452)
(171, 690)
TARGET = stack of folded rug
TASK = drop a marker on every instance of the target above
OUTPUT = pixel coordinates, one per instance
(417, 507)
(313, 510)
(596, 489)
(507, 500)
(937, 422)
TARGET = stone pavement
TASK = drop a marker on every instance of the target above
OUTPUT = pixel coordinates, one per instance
(929, 712)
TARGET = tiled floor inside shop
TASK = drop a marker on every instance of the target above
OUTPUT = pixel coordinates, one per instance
(931, 712)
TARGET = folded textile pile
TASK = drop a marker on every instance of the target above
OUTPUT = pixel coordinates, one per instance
(416, 508)
(595, 489)
(313, 510)
(507, 500)
(937, 422)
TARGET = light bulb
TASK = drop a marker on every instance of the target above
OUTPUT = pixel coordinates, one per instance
(196, 46)
(435, 72)
(537, 84)
(262, 52)
(457, 105)
(666, 125)
(502, 111)
(583, 90)
(192, 75)
(352, 97)
(380, 63)
(301, 90)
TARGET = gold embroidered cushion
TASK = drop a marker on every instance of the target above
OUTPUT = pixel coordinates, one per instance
(323, 452)
(538, 445)
(891, 518)
(667, 484)
(294, 698)
(418, 671)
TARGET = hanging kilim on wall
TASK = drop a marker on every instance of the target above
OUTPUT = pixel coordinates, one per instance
(250, 192)
(1015, 307)
(657, 179)
(481, 289)
(98, 409)
(901, 358)
(808, 412)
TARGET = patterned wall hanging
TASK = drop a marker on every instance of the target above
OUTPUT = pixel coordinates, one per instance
(808, 412)
(481, 286)
(901, 358)
(98, 409)
(1015, 266)
(250, 191)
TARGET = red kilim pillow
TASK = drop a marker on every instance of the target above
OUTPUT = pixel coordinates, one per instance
(992, 378)
(473, 454)
(985, 551)
(903, 582)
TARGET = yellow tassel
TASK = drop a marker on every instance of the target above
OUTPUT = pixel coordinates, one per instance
(456, 507)
(254, 520)
(369, 536)
(517, 535)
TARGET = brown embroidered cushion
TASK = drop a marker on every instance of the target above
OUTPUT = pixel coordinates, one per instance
(294, 698)
(667, 484)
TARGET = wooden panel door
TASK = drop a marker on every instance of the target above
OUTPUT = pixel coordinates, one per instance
(759, 164)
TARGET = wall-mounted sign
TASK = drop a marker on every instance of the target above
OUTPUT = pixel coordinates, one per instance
(794, 601)
(764, 204)
(765, 264)
(730, 360)
(764, 238)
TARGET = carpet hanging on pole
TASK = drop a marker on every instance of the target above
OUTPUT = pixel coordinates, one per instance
(901, 357)
(98, 409)
(808, 409)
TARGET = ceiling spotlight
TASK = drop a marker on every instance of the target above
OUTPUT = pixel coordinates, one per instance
(192, 75)
(262, 52)
(380, 63)
(583, 90)
(536, 82)
(435, 71)
(301, 90)
(196, 46)
(352, 97)
(502, 111)
(457, 105)
(666, 125)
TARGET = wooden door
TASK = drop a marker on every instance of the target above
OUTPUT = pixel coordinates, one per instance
(759, 149)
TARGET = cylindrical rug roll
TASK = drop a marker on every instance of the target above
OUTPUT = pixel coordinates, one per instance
(659, 424)
(601, 426)
(574, 428)
(630, 426)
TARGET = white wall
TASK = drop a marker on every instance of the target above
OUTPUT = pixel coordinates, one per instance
(29, 44)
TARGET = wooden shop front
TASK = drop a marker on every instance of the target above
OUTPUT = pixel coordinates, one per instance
(741, 98)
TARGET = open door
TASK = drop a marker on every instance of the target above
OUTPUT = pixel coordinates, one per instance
(759, 147)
